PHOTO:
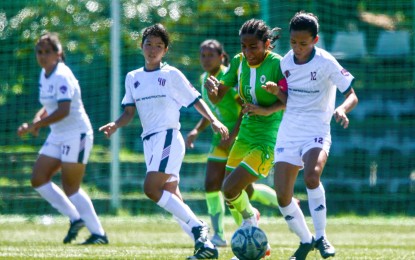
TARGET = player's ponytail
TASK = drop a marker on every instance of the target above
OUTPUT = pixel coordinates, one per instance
(274, 36)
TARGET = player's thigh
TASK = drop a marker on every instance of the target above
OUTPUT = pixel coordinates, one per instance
(314, 161)
(72, 175)
(44, 169)
(285, 175)
(237, 181)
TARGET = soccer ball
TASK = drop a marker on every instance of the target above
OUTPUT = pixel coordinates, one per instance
(249, 243)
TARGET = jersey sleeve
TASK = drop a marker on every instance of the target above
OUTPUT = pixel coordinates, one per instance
(230, 77)
(339, 75)
(128, 99)
(65, 88)
(181, 89)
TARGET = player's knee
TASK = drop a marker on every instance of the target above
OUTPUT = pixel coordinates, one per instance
(152, 193)
(36, 181)
(312, 180)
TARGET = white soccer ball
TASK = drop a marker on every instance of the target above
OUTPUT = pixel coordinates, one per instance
(249, 243)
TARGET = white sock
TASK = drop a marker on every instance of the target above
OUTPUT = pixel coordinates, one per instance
(179, 209)
(318, 210)
(296, 221)
(85, 208)
(185, 227)
(58, 199)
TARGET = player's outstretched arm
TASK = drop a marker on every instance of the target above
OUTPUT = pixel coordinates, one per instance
(217, 126)
(348, 104)
(123, 120)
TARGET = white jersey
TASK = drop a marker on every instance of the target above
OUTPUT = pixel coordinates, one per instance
(61, 85)
(158, 96)
(312, 93)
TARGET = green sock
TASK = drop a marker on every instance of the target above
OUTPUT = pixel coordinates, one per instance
(243, 206)
(235, 214)
(264, 195)
(216, 209)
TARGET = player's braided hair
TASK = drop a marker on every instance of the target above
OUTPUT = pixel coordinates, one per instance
(157, 30)
(303, 21)
(53, 39)
(261, 31)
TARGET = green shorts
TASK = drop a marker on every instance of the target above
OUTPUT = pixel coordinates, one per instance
(256, 158)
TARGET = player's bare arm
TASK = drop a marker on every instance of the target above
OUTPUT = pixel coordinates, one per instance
(60, 113)
(252, 109)
(124, 119)
(192, 135)
(349, 103)
(217, 126)
(275, 89)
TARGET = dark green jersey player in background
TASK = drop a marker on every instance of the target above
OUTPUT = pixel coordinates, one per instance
(251, 157)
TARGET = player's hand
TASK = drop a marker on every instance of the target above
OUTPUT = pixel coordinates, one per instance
(271, 87)
(108, 129)
(340, 116)
(254, 110)
(220, 128)
(27, 128)
(212, 85)
(191, 138)
(227, 143)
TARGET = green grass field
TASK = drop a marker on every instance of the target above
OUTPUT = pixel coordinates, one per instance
(159, 237)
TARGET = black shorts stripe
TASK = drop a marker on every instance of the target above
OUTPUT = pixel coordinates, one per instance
(81, 149)
(166, 149)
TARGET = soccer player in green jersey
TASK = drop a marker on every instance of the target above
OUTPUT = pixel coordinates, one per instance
(214, 60)
(251, 157)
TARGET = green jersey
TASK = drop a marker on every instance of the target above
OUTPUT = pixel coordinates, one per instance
(256, 129)
(227, 110)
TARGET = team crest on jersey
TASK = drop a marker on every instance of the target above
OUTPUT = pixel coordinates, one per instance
(344, 72)
(262, 79)
(136, 84)
(63, 89)
(280, 150)
(287, 73)
(50, 89)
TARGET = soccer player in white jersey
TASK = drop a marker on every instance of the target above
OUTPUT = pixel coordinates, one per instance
(158, 91)
(68, 145)
(304, 139)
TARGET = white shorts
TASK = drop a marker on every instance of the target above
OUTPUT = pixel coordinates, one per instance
(164, 152)
(73, 149)
(292, 151)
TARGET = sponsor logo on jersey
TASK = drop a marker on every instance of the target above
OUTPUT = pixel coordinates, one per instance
(63, 89)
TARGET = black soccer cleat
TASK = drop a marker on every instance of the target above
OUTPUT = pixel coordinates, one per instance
(325, 248)
(303, 250)
(205, 253)
(96, 240)
(73, 230)
(200, 234)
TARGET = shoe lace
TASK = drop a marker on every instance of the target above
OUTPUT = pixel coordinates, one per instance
(325, 244)
(201, 233)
